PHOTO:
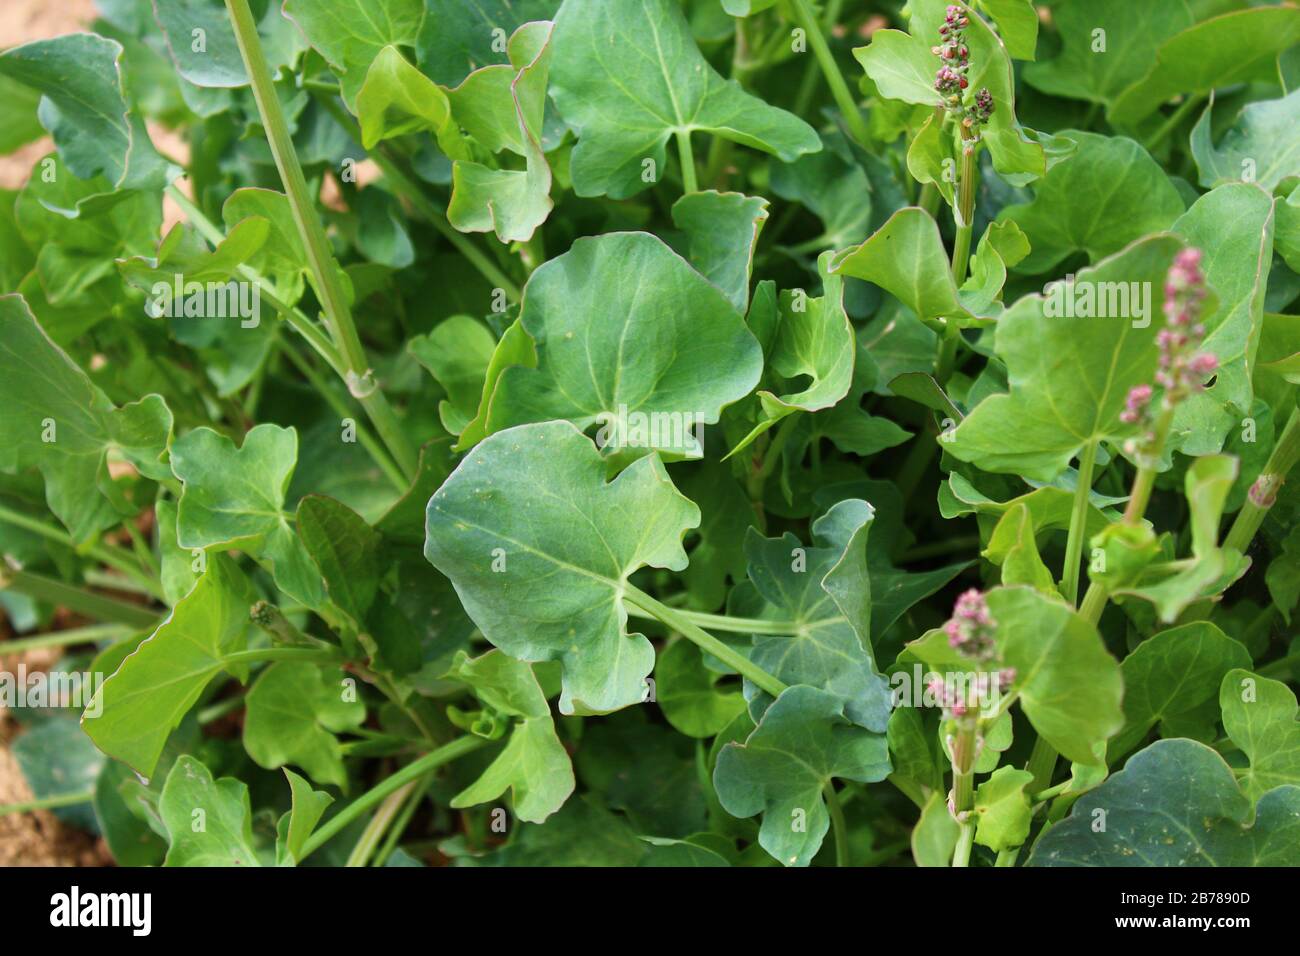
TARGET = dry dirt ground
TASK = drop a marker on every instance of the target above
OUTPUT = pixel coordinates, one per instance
(35, 839)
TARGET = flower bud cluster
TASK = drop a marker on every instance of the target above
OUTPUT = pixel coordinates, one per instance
(951, 79)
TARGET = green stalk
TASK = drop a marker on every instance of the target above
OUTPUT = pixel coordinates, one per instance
(678, 621)
(324, 268)
(113, 557)
(48, 803)
(378, 826)
(376, 795)
(722, 622)
(1284, 457)
(834, 78)
(1078, 524)
(307, 655)
(77, 599)
(838, 824)
(690, 184)
(1169, 125)
(76, 635)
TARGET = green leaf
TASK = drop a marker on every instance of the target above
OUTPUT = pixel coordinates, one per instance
(1233, 226)
(57, 420)
(814, 347)
(512, 203)
(906, 258)
(721, 235)
(1236, 47)
(396, 99)
(136, 709)
(511, 504)
(1069, 377)
(281, 260)
(825, 592)
(934, 838)
(85, 110)
(801, 744)
(57, 759)
(1068, 684)
(1175, 804)
(1262, 146)
(209, 822)
(211, 58)
(1105, 195)
(584, 833)
(1017, 22)
(686, 692)
(233, 498)
(350, 35)
(903, 68)
(1168, 680)
(534, 765)
(293, 712)
(1259, 715)
(294, 827)
(1106, 46)
(1002, 809)
(345, 551)
(584, 309)
(628, 75)
(1013, 546)
(457, 38)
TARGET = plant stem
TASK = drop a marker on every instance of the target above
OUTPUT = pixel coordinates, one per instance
(1169, 125)
(722, 622)
(705, 641)
(963, 787)
(76, 635)
(412, 771)
(838, 824)
(113, 557)
(689, 182)
(376, 450)
(324, 268)
(1078, 523)
(1042, 764)
(77, 599)
(1286, 452)
(403, 821)
(307, 655)
(48, 803)
(834, 78)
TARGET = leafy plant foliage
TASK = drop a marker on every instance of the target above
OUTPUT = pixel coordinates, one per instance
(657, 432)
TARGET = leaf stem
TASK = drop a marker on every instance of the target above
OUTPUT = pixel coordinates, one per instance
(1078, 524)
(963, 786)
(690, 184)
(306, 655)
(374, 448)
(839, 826)
(75, 635)
(722, 622)
(834, 78)
(412, 771)
(324, 268)
(378, 825)
(705, 641)
(1169, 125)
(77, 599)
(48, 803)
(1285, 454)
(111, 556)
